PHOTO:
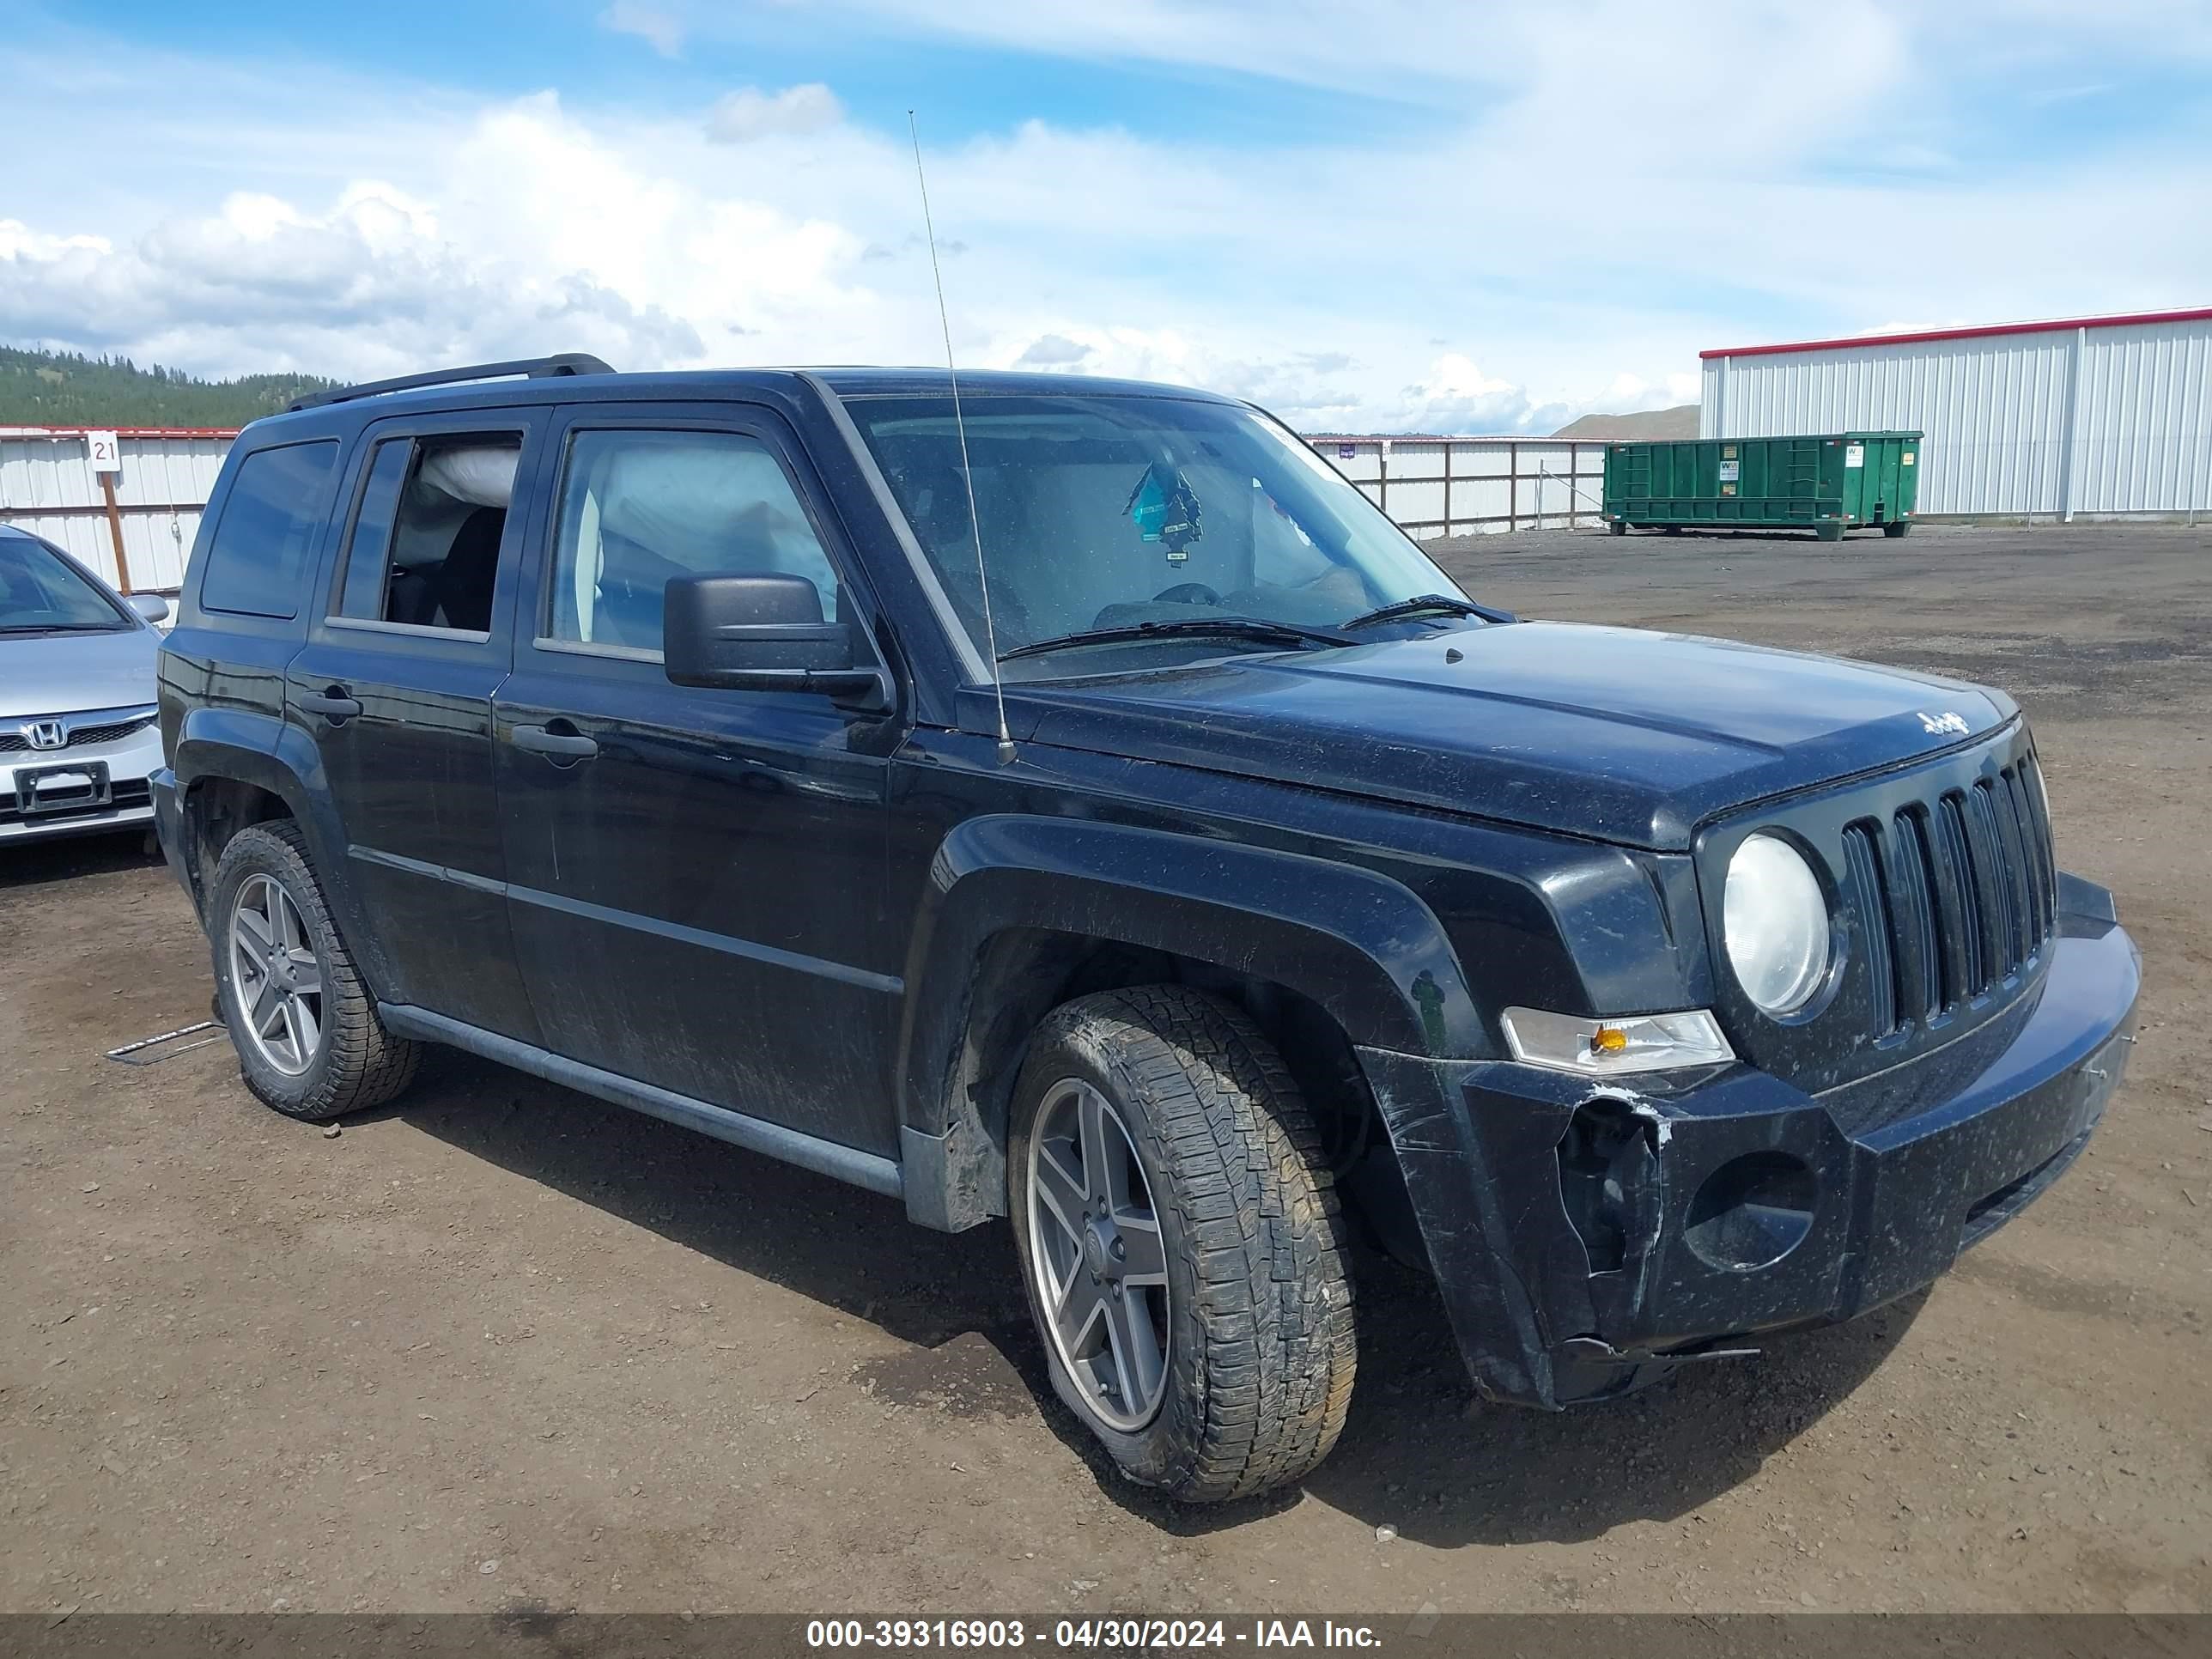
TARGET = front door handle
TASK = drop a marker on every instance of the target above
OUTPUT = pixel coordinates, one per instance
(332, 703)
(544, 741)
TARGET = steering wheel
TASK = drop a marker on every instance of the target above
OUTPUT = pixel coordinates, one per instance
(1187, 593)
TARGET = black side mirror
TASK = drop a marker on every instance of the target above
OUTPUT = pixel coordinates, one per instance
(762, 634)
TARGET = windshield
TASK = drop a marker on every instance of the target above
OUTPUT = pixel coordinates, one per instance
(41, 590)
(1113, 511)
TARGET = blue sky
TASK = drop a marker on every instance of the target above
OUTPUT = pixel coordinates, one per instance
(1389, 216)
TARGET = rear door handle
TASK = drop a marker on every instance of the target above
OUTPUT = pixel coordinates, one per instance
(333, 705)
(543, 740)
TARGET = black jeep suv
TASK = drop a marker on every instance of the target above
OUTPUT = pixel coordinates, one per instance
(1180, 867)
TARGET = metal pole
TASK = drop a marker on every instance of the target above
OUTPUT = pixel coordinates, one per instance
(2066, 431)
(115, 533)
(1382, 476)
(1512, 488)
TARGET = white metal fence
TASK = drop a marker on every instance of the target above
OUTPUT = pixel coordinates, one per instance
(135, 526)
(1442, 486)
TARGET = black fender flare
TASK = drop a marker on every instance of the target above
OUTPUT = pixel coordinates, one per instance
(247, 746)
(1361, 946)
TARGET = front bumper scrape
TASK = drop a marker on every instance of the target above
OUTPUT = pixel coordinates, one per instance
(1590, 1237)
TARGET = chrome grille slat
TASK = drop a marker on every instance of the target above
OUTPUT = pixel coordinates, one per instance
(2028, 778)
(2027, 888)
(1961, 926)
(1989, 895)
(1916, 948)
(1863, 860)
(2006, 924)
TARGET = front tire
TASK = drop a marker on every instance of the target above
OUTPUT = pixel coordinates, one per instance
(1181, 1242)
(305, 1026)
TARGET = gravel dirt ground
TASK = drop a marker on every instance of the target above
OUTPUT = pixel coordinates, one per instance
(505, 1348)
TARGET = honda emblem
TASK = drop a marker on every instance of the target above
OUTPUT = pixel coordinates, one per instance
(44, 734)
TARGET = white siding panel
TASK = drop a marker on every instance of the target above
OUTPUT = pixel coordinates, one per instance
(2126, 408)
(1418, 503)
(2143, 419)
(165, 481)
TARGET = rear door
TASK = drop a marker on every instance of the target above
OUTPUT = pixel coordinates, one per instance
(697, 877)
(410, 639)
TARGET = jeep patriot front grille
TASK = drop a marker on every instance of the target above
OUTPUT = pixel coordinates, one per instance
(1960, 894)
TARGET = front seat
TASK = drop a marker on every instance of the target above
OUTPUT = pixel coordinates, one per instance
(462, 586)
(936, 503)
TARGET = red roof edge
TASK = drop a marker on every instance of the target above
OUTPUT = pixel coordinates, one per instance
(119, 431)
(2055, 325)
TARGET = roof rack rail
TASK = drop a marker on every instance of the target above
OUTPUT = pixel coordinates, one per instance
(565, 363)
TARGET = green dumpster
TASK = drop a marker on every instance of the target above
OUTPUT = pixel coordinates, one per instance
(1827, 483)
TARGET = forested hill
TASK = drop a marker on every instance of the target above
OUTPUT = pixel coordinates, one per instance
(50, 388)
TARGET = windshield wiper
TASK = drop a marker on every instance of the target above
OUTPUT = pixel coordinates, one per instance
(60, 628)
(1425, 602)
(1251, 627)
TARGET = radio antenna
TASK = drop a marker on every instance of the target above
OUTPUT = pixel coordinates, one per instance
(967, 473)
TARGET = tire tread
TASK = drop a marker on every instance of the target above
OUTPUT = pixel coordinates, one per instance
(365, 1064)
(1259, 1207)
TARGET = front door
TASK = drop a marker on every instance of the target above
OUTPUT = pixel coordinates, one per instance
(696, 877)
(395, 685)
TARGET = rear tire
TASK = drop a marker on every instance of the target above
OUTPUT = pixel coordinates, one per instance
(352, 1062)
(1252, 1334)
(1620, 526)
(1896, 528)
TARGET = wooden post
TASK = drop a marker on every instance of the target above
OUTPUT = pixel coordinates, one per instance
(115, 533)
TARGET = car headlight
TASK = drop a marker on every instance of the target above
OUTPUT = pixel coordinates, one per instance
(1775, 920)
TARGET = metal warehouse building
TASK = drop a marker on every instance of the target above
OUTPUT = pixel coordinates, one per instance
(2086, 415)
(130, 514)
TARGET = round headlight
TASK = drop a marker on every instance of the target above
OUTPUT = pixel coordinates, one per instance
(1775, 922)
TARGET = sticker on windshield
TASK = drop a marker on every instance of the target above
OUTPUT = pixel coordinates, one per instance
(1165, 509)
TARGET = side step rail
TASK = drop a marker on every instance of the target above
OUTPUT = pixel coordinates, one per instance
(841, 1163)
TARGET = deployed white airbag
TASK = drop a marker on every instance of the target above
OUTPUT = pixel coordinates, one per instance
(481, 475)
(706, 504)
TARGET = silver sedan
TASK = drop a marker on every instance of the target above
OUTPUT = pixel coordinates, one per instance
(77, 730)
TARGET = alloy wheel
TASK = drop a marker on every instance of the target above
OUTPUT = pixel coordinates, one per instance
(1096, 1253)
(278, 975)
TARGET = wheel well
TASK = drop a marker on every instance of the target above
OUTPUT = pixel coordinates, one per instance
(216, 809)
(1025, 973)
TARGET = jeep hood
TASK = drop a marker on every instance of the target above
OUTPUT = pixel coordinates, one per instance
(1617, 734)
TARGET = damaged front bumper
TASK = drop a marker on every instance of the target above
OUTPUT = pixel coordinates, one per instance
(1591, 1237)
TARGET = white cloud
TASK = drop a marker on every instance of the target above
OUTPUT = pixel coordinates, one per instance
(373, 282)
(18, 241)
(748, 113)
(1052, 351)
(1475, 276)
(658, 27)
